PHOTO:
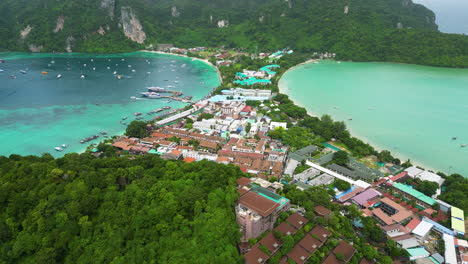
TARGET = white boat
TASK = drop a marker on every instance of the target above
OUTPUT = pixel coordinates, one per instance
(115, 72)
(148, 72)
(59, 76)
(64, 146)
(315, 62)
(23, 71)
(151, 95)
(82, 76)
(463, 145)
(92, 60)
(94, 68)
(123, 59)
(1, 70)
(133, 71)
(129, 66)
(58, 149)
(84, 64)
(108, 68)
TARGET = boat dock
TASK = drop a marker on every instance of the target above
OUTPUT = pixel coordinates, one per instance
(177, 116)
(178, 99)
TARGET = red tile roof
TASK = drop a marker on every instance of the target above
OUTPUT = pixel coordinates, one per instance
(331, 259)
(297, 220)
(299, 255)
(310, 244)
(188, 159)
(320, 210)
(413, 224)
(255, 256)
(243, 181)
(258, 203)
(271, 242)
(285, 229)
(382, 216)
(321, 232)
(345, 249)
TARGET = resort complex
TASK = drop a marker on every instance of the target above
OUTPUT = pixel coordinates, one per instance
(239, 126)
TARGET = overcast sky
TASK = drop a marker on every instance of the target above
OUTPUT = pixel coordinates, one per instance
(451, 15)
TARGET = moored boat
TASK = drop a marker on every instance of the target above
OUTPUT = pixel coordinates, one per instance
(58, 149)
(59, 76)
(137, 113)
(151, 95)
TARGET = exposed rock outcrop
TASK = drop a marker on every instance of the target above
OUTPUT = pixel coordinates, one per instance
(60, 23)
(109, 5)
(346, 10)
(174, 12)
(131, 25)
(34, 48)
(290, 3)
(223, 23)
(261, 19)
(101, 31)
(25, 32)
(399, 25)
(69, 42)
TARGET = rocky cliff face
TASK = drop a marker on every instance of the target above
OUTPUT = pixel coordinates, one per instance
(60, 23)
(131, 25)
(25, 32)
(109, 5)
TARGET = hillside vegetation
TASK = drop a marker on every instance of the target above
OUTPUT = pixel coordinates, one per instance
(359, 30)
(81, 209)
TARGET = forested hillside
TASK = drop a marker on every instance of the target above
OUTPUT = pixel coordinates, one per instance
(360, 30)
(82, 209)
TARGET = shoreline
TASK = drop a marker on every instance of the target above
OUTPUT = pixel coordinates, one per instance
(185, 56)
(377, 147)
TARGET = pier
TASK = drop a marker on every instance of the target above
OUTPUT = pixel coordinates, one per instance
(178, 99)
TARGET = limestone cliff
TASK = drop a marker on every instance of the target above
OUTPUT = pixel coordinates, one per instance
(60, 23)
(131, 25)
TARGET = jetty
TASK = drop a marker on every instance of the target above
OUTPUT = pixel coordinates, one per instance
(177, 116)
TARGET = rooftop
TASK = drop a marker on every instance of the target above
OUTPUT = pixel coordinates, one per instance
(255, 256)
(365, 196)
(416, 194)
(271, 242)
(285, 229)
(321, 232)
(258, 203)
(345, 249)
(310, 244)
(297, 220)
(422, 229)
(320, 210)
(299, 255)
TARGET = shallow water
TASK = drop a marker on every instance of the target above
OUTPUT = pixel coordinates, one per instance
(39, 112)
(413, 111)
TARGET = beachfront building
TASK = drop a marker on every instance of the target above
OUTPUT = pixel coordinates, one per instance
(236, 92)
(257, 210)
(411, 194)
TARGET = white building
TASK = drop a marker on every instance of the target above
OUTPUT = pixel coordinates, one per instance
(274, 125)
(422, 230)
(199, 155)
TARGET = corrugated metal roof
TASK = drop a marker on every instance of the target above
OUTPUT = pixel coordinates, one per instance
(416, 194)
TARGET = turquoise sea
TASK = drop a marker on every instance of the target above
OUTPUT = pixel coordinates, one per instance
(413, 111)
(39, 111)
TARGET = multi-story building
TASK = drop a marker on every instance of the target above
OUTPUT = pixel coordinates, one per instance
(258, 209)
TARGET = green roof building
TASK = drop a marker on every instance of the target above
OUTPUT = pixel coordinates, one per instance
(410, 193)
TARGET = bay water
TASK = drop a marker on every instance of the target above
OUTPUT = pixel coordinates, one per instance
(39, 111)
(413, 111)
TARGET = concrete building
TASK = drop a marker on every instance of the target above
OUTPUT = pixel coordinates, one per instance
(257, 210)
